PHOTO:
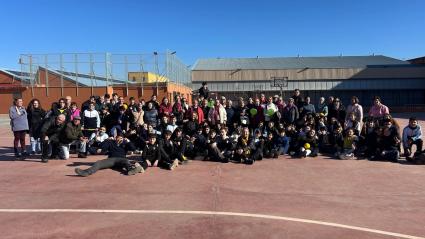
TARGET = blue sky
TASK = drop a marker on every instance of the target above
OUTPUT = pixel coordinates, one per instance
(204, 29)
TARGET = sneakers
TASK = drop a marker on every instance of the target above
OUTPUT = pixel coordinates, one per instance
(175, 164)
(44, 159)
(82, 155)
(135, 169)
(82, 173)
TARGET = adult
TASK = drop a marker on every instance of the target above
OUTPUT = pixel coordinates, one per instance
(298, 100)
(378, 110)
(51, 132)
(204, 91)
(337, 111)
(322, 107)
(36, 116)
(73, 135)
(165, 109)
(356, 109)
(91, 120)
(308, 107)
(19, 122)
(290, 112)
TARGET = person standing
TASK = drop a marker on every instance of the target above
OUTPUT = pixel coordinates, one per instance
(19, 123)
(36, 116)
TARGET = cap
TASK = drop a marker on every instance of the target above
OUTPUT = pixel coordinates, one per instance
(77, 118)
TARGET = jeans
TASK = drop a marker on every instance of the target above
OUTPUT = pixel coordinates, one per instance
(35, 144)
(64, 149)
(408, 149)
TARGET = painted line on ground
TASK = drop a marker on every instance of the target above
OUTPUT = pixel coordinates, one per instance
(235, 214)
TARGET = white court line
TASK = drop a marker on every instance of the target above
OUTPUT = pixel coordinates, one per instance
(237, 214)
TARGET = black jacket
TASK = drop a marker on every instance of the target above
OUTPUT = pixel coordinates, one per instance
(52, 130)
(35, 121)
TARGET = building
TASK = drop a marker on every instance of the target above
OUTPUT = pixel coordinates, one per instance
(397, 82)
(48, 85)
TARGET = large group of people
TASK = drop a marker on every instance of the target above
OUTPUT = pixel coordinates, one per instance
(164, 134)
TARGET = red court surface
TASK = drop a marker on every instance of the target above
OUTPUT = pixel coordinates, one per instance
(283, 198)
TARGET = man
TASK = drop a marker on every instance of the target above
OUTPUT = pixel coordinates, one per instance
(230, 112)
(290, 112)
(298, 100)
(322, 107)
(412, 135)
(68, 101)
(116, 150)
(308, 107)
(204, 91)
(51, 131)
(73, 135)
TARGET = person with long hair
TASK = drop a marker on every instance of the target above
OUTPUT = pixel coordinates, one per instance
(36, 115)
(19, 124)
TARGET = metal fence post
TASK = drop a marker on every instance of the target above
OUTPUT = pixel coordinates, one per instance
(76, 72)
(46, 76)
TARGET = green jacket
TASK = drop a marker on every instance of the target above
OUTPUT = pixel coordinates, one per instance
(72, 132)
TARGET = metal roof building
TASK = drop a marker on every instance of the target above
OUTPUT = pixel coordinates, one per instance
(342, 76)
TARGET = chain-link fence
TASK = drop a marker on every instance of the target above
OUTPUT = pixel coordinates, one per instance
(102, 69)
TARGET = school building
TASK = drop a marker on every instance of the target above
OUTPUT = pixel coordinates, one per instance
(399, 83)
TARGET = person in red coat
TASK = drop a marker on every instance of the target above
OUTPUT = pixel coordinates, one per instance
(165, 109)
(195, 108)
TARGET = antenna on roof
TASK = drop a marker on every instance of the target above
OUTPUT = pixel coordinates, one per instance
(298, 55)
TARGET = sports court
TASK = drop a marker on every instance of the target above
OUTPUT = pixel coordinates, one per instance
(282, 198)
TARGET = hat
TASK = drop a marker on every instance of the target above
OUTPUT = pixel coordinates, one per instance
(77, 118)
(275, 96)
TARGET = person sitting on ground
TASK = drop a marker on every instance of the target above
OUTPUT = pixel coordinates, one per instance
(96, 139)
(389, 143)
(50, 132)
(246, 152)
(282, 142)
(73, 135)
(117, 151)
(309, 144)
(168, 152)
(172, 126)
(180, 142)
(269, 148)
(151, 152)
(412, 135)
(349, 146)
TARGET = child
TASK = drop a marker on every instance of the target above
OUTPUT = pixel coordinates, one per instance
(349, 146)
(246, 152)
(152, 155)
(269, 148)
(221, 149)
(412, 134)
(282, 142)
(389, 142)
(337, 141)
(309, 145)
(180, 144)
(168, 152)
(96, 139)
(172, 126)
(352, 123)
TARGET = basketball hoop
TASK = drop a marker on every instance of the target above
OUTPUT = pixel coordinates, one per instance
(279, 82)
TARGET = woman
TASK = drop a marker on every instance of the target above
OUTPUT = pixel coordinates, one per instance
(337, 111)
(378, 110)
(74, 111)
(165, 109)
(36, 116)
(19, 124)
(151, 115)
(178, 109)
(356, 109)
